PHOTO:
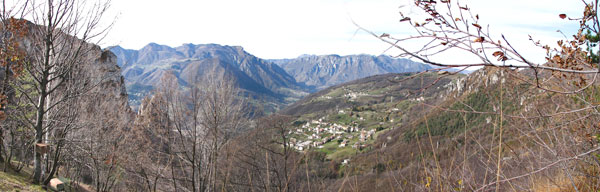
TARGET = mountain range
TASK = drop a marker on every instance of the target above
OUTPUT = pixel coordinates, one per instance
(319, 72)
(279, 82)
(261, 79)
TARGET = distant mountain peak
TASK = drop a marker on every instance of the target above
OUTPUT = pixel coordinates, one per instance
(156, 47)
(306, 55)
(151, 45)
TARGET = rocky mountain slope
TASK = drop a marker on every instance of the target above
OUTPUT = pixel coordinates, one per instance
(262, 79)
(319, 72)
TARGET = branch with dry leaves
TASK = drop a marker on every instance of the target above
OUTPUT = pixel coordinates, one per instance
(450, 26)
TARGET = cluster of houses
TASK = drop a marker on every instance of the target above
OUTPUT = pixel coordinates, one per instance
(353, 95)
(349, 95)
(319, 132)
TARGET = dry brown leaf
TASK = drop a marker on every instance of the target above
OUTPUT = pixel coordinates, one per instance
(498, 53)
(2, 116)
(563, 16)
(556, 59)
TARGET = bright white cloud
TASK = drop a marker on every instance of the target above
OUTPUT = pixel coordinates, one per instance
(288, 28)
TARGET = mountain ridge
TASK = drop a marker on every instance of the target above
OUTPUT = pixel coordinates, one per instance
(145, 67)
(321, 71)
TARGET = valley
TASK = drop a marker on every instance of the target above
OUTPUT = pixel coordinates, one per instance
(442, 104)
(342, 120)
(269, 84)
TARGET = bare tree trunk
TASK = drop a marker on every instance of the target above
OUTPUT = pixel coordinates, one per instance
(39, 133)
(43, 95)
(54, 165)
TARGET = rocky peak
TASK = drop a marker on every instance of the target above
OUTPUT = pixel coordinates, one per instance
(479, 79)
(156, 47)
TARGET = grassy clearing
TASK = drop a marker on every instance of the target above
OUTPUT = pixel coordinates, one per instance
(19, 182)
(11, 181)
(342, 153)
(329, 147)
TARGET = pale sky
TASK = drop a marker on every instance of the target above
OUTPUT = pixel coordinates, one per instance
(273, 29)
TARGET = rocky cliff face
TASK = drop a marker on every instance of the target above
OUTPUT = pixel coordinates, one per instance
(109, 93)
(104, 103)
(319, 72)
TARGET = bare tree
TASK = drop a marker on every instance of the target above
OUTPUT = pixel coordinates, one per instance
(265, 159)
(55, 49)
(222, 115)
(189, 127)
(12, 59)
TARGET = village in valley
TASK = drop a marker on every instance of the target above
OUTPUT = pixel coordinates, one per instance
(339, 135)
(358, 114)
(319, 132)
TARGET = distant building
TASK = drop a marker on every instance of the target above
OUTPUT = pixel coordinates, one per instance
(346, 161)
(344, 143)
